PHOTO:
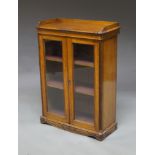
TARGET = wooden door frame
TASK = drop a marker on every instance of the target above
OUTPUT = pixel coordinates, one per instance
(49, 115)
(79, 123)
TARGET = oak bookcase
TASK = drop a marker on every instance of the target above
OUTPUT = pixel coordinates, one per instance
(78, 60)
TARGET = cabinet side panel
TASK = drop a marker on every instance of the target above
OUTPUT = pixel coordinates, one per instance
(108, 81)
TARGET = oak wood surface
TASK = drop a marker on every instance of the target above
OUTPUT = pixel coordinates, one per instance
(102, 35)
(69, 127)
(42, 75)
(108, 81)
(78, 25)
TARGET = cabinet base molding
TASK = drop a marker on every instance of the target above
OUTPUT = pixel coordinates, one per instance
(90, 133)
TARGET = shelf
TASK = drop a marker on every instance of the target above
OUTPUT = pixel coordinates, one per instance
(84, 119)
(55, 84)
(54, 58)
(78, 89)
(84, 90)
(84, 63)
(57, 112)
(76, 62)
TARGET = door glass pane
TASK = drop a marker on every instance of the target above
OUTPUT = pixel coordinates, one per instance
(83, 52)
(54, 71)
(84, 107)
(55, 99)
(53, 48)
(84, 82)
(83, 76)
(54, 77)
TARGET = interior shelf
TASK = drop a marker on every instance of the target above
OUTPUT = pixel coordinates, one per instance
(76, 62)
(78, 89)
(58, 112)
(55, 84)
(54, 58)
(84, 63)
(83, 118)
(84, 90)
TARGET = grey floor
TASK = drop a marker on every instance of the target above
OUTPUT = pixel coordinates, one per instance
(39, 139)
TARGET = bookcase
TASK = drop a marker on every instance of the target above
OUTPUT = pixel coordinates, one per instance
(78, 66)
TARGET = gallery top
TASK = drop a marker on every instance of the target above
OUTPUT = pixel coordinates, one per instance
(78, 25)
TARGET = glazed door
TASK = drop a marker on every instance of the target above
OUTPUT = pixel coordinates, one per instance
(83, 62)
(53, 66)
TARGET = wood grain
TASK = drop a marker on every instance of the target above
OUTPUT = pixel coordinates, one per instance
(42, 75)
(69, 127)
(108, 82)
(102, 35)
(78, 25)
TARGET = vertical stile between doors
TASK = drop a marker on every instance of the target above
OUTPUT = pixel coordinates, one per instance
(70, 79)
(65, 69)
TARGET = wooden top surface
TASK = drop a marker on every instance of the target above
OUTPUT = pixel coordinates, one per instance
(77, 25)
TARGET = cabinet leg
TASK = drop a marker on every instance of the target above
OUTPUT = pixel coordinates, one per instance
(43, 120)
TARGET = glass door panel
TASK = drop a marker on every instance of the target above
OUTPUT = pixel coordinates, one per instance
(84, 107)
(83, 73)
(53, 48)
(55, 99)
(54, 77)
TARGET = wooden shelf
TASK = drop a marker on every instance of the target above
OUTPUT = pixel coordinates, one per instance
(78, 89)
(84, 63)
(55, 84)
(84, 119)
(57, 112)
(76, 62)
(54, 58)
(84, 90)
